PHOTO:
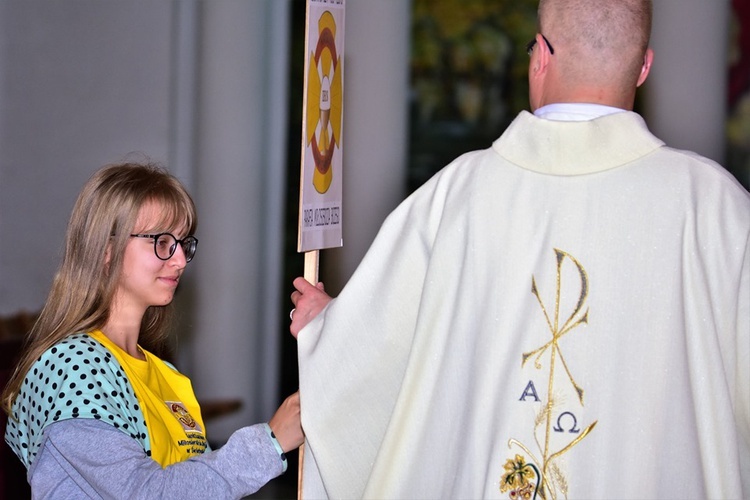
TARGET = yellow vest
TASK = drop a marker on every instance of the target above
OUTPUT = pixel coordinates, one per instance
(170, 410)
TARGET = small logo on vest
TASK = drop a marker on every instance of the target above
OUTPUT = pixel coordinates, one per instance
(183, 416)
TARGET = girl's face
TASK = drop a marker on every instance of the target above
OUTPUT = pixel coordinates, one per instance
(146, 280)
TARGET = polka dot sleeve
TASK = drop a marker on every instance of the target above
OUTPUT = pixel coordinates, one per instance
(78, 378)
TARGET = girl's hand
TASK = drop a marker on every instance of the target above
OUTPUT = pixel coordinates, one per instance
(286, 424)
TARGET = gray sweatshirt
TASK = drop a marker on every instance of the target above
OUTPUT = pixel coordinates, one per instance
(91, 459)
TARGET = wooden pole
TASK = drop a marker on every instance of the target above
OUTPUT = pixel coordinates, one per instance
(311, 275)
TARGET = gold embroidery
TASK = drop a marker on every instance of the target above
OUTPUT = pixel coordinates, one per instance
(550, 481)
(521, 478)
(573, 321)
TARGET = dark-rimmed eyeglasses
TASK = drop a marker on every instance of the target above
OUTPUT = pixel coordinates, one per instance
(165, 245)
(530, 45)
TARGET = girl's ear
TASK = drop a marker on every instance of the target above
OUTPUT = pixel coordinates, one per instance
(107, 257)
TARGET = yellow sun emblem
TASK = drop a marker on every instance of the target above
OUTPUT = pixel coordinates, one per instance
(324, 102)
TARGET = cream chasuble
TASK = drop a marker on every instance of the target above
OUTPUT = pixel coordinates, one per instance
(564, 314)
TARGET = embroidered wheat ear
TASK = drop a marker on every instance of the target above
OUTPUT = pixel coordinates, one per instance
(540, 417)
(559, 478)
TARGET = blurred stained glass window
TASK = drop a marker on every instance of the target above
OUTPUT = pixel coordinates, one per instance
(468, 78)
(738, 121)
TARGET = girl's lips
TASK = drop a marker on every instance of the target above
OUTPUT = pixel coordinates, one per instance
(172, 280)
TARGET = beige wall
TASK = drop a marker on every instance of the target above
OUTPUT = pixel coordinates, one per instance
(686, 93)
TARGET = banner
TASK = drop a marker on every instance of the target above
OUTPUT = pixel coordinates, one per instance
(321, 213)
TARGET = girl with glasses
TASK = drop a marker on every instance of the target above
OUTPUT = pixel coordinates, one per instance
(92, 412)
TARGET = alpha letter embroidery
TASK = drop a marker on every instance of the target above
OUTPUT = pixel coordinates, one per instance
(529, 392)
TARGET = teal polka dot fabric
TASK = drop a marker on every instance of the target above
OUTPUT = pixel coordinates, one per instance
(76, 378)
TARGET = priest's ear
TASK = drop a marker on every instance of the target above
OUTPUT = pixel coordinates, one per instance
(648, 60)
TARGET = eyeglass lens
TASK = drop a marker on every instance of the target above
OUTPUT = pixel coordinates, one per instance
(165, 245)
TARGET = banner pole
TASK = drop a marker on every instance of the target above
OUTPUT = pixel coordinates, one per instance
(311, 275)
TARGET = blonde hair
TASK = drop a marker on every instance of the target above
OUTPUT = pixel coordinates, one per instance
(604, 40)
(99, 229)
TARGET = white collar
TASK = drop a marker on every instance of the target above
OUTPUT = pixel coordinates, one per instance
(575, 111)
